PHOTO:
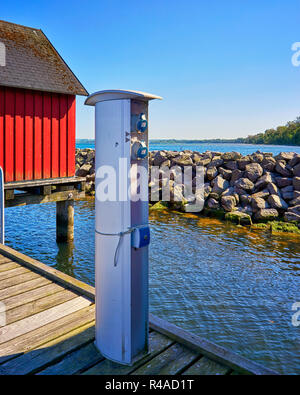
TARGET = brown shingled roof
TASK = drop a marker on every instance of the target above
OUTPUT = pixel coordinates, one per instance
(33, 63)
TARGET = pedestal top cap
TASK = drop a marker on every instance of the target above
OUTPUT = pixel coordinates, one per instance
(116, 94)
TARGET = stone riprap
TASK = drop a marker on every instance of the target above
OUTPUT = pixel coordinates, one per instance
(261, 186)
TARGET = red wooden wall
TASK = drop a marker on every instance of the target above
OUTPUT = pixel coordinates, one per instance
(37, 134)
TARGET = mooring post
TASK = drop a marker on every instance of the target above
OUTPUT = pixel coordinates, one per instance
(65, 221)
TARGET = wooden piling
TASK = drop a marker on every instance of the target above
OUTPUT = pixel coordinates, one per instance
(65, 221)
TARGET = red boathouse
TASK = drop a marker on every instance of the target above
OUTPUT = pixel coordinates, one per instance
(37, 107)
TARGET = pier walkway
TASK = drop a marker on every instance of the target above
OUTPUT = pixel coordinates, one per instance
(49, 330)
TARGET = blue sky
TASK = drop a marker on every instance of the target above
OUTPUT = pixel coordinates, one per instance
(223, 67)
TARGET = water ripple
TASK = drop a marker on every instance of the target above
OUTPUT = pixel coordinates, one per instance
(225, 283)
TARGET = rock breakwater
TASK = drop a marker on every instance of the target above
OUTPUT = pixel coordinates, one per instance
(260, 187)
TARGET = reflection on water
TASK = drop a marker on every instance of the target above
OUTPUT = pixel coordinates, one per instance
(225, 283)
(65, 258)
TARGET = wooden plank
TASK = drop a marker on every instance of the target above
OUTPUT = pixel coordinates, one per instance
(172, 361)
(20, 288)
(28, 136)
(75, 362)
(13, 272)
(33, 322)
(19, 134)
(207, 367)
(2, 132)
(36, 360)
(27, 198)
(10, 282)
(157, 344)
(4, 259)
(46, 189)
(203, 346)
(46, 135)
(38, 138)
(209, 349)
(48, 272)
(55, 136)
(53, 333)
(9, 125)
(7, 280)
(62, 136)
(36, 306)
(30, 296)
(71, 135)
(9, 194)
(38, 183)
(9, 265)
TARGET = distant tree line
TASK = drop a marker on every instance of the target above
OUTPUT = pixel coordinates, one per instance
(282, 135)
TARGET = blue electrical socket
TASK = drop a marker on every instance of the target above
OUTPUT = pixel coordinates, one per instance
(140, 237)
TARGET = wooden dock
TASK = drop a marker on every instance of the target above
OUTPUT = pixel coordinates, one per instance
(49, 330)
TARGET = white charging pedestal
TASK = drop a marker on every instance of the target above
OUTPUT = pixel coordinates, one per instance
(121, 260)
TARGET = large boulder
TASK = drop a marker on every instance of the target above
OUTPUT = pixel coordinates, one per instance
(296, 170)
(231, 156)
(263, 181)
(204, 162)
(225, 173)
(266, 214)
(228, 192)
(296, 159)
(296, 183)
(290, 216)
(253, 171)
(277, 202)
(231, 165)
(287, 193)
(239, 217)
(90, 157)
(293, 214)
(196, 157)
(84, 170)
(257, 157)
(214, 195)
(220, 185)
(261, 194)
(80, 159)
(213, 203)
(268, 164)
(259, 204)
(295, 201)
(182, 160)
(228, 202)
(91, 177)
(211, 173)
(245, 184)
(295, 209)
(166, 163)
(216, 162)
(283, 181)
(287, 156)
(207, 190)
(159, 158)
(296, 194)
(243, 162)
(245, 199)
(273, 189)
(282, 168)
(177, 198)
(236, 175)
